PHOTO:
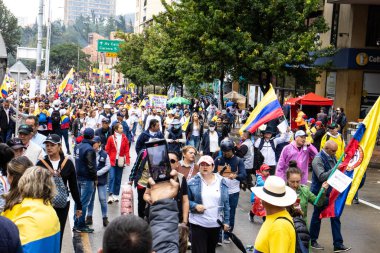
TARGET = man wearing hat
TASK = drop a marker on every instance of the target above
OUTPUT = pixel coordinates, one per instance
(105, 114)
(17, 146)
(335, 136)
(85, 163)
(104, 132)
(277, 234)
(175, 137)
(267, 146)
(300, 151)
(33, 151)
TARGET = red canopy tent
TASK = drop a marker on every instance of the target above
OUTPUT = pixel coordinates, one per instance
(310, 99)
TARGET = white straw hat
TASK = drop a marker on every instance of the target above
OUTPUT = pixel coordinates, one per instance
(275, 192)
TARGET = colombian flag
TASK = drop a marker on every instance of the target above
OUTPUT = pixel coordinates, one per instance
(268, 109)
(358, 154)
(118, 97)
(65, 122)
(39, 232)
(108, 73)
(4, 86)
(94, 72)
(68, 81)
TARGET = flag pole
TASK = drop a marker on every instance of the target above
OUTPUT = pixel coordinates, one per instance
(322, 190)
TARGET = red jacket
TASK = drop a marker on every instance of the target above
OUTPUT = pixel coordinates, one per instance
(124, 149)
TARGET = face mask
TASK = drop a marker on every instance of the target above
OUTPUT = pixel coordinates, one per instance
(212, 129)
(176, 127)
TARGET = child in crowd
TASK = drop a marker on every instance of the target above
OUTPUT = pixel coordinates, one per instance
(257, 207)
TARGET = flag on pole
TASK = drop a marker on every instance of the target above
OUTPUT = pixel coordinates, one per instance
(118, 97)
(108, 73)
(4, 86)
(68, 81)
(358, 154)
(268, 109)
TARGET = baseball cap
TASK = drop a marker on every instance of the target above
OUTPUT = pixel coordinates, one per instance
(318, 123)
(25, 129)
(107, 106)
(53, 138)
(119, 114)
(332, 126)
(106, 120)
(97, 139)
(15, 143)
(206, 159)
(300, 133)
(88, 133)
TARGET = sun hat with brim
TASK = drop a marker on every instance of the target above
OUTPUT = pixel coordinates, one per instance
(275, 192)
(206, 159)
(53, 138)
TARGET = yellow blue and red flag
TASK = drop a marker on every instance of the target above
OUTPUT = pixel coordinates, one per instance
(268, 109)
(94, 72)
(108, 73)
(68, 81)
(358, 153)
(4, 87)
(118, 97)
(39, 232)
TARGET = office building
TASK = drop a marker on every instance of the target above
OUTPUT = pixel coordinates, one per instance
(100, 8)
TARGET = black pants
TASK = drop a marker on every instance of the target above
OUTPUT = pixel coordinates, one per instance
(272, 170)
(62, 216)
(203, 240)
(141, 202)
(249, 178)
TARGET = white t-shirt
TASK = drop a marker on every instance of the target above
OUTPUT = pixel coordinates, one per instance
(55, 164)
(214, 141)
(211, 199)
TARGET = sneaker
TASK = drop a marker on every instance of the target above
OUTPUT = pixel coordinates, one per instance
(316, 245)
(83, 230)
(219, 244)
(115, 198)
(110, 199)
(341, 248)
(355, 201)
(226, 241)
(88, 220)
(105, 222)
(250, 217)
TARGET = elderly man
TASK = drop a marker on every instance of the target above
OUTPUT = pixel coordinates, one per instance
(33, 151)
(300, 151)
(37, 138)
(322, 165)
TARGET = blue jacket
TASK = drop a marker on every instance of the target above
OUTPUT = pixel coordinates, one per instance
(259, 182)
(194, 188)
(85, 161)
(144, 138)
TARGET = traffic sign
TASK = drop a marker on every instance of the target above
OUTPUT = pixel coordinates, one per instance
(111, 55)
(110, 46)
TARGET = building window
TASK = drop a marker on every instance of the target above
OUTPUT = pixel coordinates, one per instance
(335, 25)
(373, 26)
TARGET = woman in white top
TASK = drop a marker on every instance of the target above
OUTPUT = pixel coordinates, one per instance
(194, 131)
(209, 202)
(91, 120)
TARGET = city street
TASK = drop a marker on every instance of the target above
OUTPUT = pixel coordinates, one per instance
(360, 223)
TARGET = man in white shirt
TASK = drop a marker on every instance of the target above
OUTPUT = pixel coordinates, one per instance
(134, 114)
(37, 138)
(33, 151)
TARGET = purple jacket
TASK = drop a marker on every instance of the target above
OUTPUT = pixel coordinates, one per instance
(303, 157)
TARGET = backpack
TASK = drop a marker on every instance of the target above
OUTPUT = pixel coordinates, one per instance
(56, 118)
(300, 247)
(59, 200)
(42, 118)
(271, 144)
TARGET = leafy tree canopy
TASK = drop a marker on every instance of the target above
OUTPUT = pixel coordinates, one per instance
(9, 29)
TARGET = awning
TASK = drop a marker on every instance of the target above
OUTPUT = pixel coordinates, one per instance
(310, 99)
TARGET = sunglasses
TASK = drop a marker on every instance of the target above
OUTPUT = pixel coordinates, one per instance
(173, 161)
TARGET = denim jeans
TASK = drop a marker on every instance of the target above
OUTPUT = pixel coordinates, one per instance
(134, 127)
(233, 199)
(115, 180)
(86, 189)
(315, 226)
(194, 141)
(65, 135)
(102, 193)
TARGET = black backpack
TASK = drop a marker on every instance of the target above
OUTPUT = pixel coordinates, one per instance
(56, 118)
(300, 247)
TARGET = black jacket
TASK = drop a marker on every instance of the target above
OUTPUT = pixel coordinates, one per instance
(302, 231)
(205, 144)
(104, 135)
(68, 174)
(189, 130)
(144, 138)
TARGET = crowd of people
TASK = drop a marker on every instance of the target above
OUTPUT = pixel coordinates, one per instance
(41, 177)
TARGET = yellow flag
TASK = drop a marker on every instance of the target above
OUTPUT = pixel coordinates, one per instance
(184, 127)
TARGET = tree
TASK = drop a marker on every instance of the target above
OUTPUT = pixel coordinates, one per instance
(65, 56)
(9, 29)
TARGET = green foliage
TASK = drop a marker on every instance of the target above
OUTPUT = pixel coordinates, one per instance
(65, 56)
(9, 29)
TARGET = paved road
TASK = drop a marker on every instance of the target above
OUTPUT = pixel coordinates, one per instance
(360, 223)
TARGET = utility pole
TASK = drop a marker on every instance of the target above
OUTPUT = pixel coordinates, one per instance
(39, 46)
(48, 38)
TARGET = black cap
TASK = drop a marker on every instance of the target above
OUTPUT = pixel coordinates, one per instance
(53, 138)
(88, 133)
(106, 120)
(15, 143)
(119, 114)
(212, 124)
(25, 129)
